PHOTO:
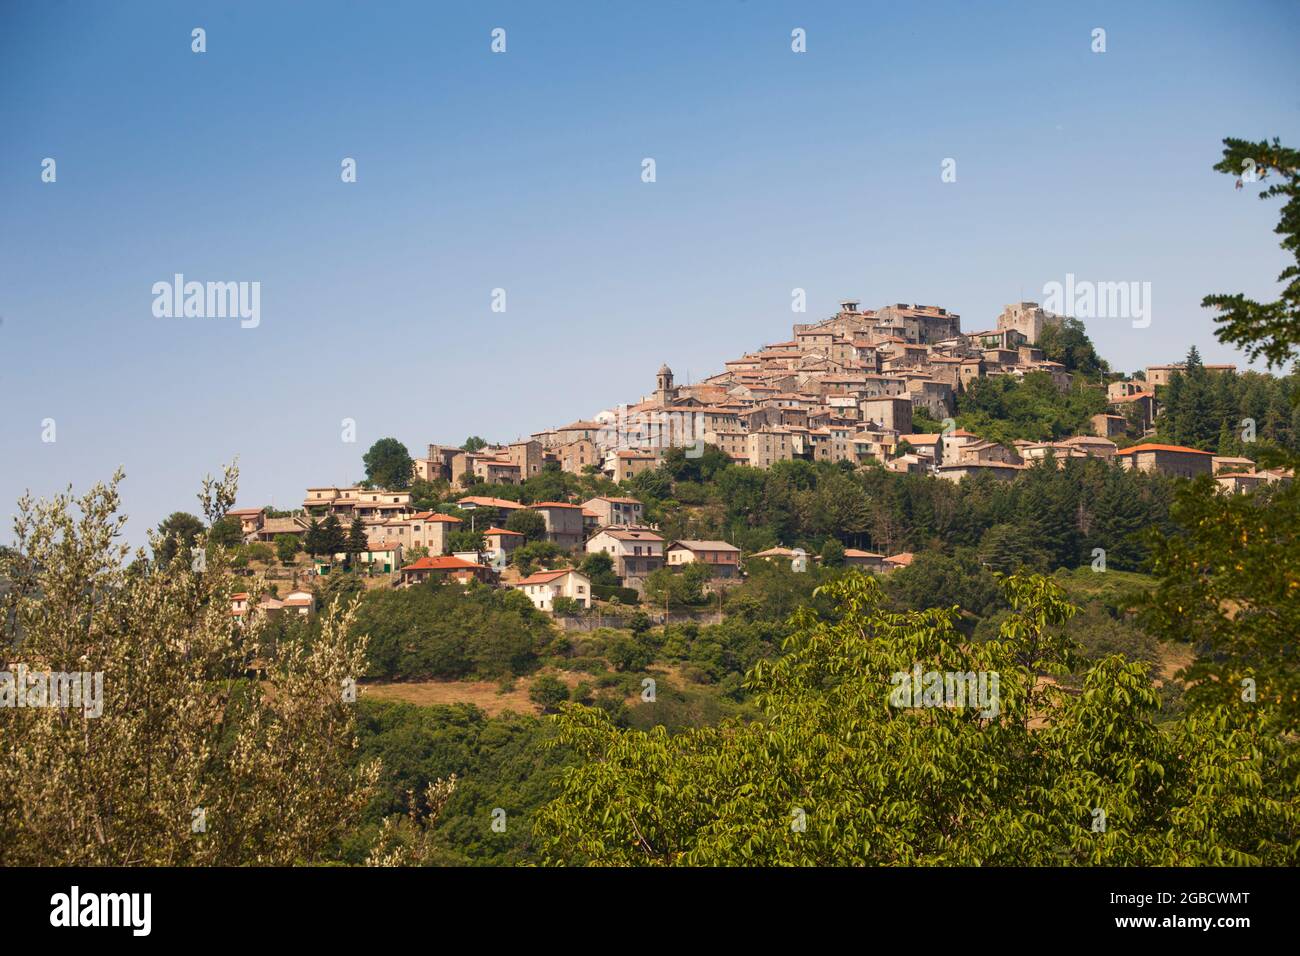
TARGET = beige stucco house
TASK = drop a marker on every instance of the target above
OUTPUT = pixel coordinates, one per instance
(544, 587)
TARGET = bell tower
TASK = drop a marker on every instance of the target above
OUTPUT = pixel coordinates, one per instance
(664, 390)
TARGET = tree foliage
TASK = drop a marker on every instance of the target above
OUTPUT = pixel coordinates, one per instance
(1270, 330)
(266, 765)
(837, 775)
(1002, 408)
(388, 465)
(527, 522)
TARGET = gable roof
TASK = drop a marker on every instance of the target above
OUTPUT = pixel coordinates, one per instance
(546, 577)
(704, 546)
(777, 552)
(441, 564)
(1174, 448)
(628, 534)
(431, 516)
(478, 500)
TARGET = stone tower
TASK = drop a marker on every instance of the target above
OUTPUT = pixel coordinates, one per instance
(664, 390)
(1025, 317)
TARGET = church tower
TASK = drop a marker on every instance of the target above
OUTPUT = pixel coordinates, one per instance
(664, 390)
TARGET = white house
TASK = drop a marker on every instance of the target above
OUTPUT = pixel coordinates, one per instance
(544, 587)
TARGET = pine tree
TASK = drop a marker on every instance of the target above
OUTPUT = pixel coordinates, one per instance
(356, 541)
(333, 537)
(314, 541)
(1120, 522)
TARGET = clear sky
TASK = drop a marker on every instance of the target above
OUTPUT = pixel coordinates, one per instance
(522, 171)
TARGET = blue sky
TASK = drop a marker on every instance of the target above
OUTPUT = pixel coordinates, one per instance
(522, 171)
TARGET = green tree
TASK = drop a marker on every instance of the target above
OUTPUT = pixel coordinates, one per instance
(832, 554)
(334, 540)
(287, 547)
(346, 589)
(1230, 585)
(226, 532)
(599, 568)
(1007, 547)
(357, 542)
(272, 762)
(567, 607)
(629, 654)
(527, 522)
(313, 541)
(1068, 343)
(655, 484)
(935, 580)
(177, 534)
(464, 539)
(848, 768)
(388, 465)
(1230, 582)
(1269, 330)
(427, 495)
(474, 443)
(537, 553)
(548, 692)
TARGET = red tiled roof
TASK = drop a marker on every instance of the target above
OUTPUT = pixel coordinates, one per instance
(1175, 448)
(1132, 398)
(516, 534)
(555, 504)
(441, 564)
(429, 516)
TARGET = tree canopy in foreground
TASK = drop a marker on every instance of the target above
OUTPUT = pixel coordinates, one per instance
(188, 762)
(836, 774)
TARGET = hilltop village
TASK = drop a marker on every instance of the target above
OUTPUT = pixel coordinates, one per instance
(855, 388)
